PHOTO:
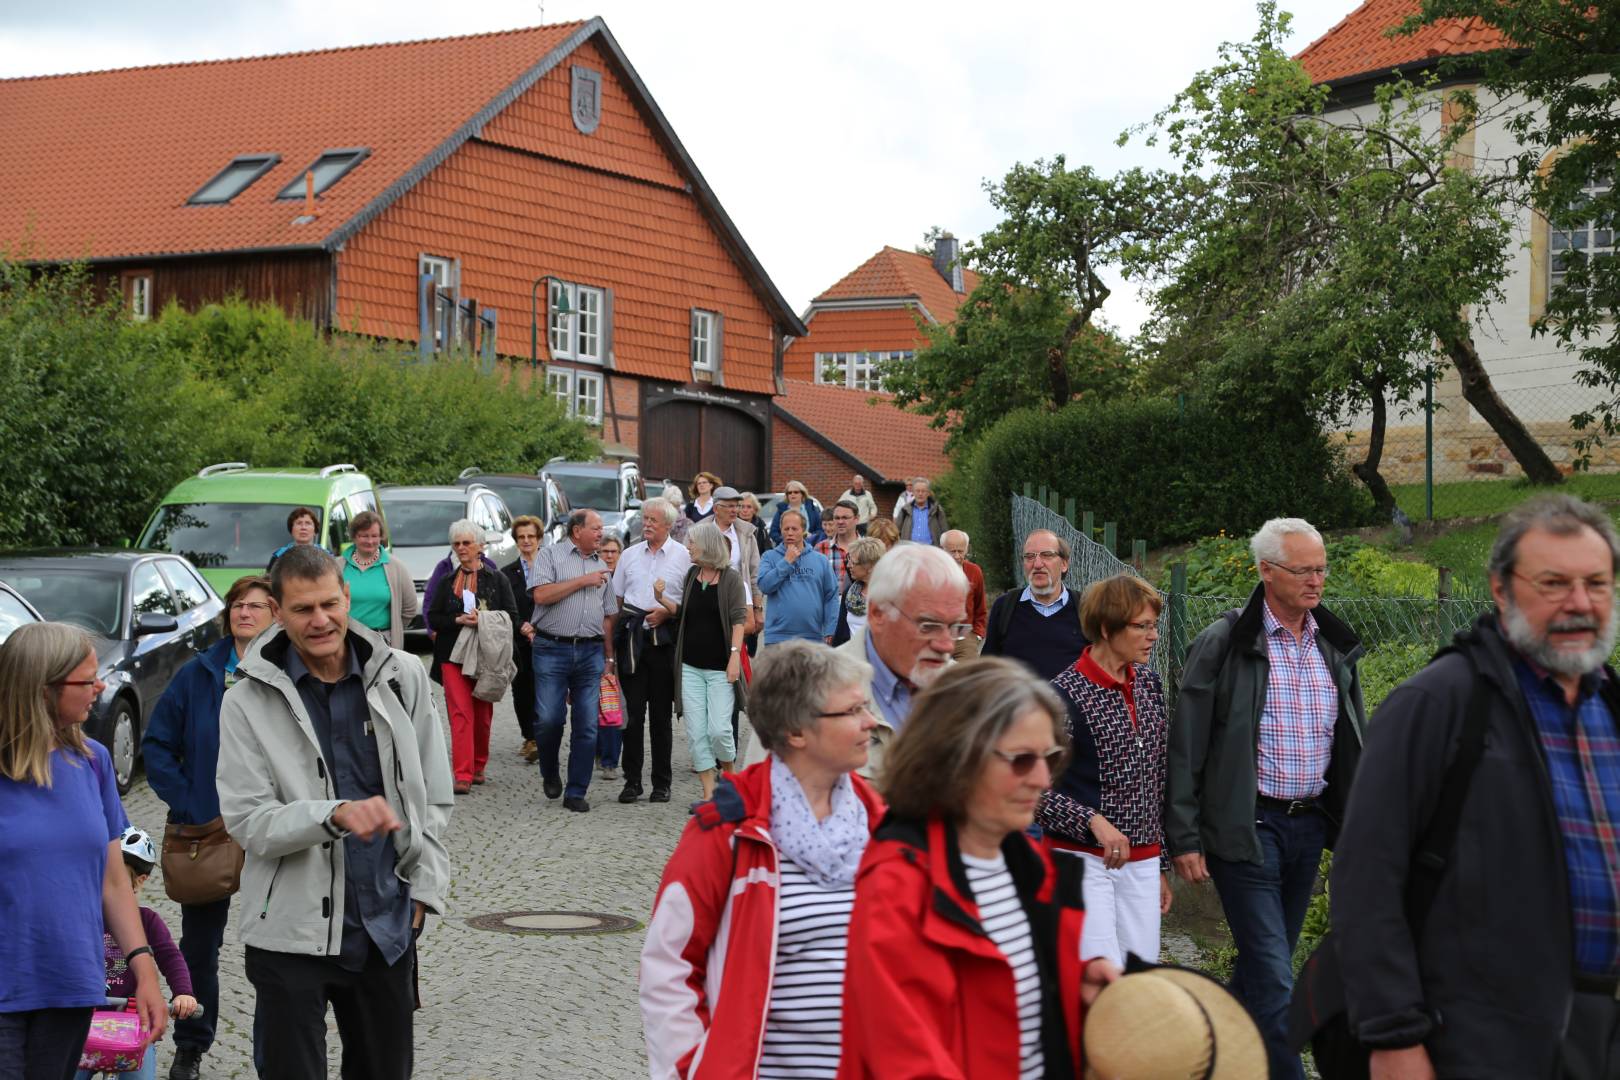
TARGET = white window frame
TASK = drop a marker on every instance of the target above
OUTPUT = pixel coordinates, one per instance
(576, 335)
(578, 392)
(703, 358)
(445, 270)
(859, 370)
(1562, 240)
(140, 297)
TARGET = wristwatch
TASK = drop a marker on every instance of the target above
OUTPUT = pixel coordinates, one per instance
(735, 649)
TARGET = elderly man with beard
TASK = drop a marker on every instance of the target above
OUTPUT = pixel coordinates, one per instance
(1512, 970)
(1039, 627)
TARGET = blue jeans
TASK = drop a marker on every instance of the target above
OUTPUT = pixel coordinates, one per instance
(1265, 907)
(202, 931)
(147, 1071)
(565, 672)
(609, 741)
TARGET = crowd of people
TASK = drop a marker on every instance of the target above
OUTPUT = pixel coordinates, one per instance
(933, 830)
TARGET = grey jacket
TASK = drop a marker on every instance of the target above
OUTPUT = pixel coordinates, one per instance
(276, 793)
(485, 655)
(1213, 779)
(936, 521)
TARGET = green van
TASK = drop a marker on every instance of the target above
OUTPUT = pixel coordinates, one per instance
(229, 518)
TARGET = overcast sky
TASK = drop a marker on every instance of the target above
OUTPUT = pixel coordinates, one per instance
(827, 130)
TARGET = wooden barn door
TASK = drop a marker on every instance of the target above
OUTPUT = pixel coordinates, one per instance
(682, 438)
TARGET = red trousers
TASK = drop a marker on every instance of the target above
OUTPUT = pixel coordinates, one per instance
(469, 723)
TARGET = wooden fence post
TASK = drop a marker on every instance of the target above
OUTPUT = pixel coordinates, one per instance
(1069, 510)
(1042, 497)
(1138, 554)
(1087, 525)
(1110, 537)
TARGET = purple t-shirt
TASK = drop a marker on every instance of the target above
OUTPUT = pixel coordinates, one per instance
(53, 854)
(121, 980)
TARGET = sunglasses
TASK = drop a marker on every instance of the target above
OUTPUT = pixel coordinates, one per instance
(1023, 763)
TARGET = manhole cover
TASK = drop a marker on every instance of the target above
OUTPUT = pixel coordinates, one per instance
(553, 922)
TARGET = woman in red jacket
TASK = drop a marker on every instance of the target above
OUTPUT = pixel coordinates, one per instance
(743, 970)
(964, 948)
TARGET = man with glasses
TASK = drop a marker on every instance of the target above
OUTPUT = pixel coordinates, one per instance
(840, 534)
(1264, 743)
(1512, 964)
(1040, 627)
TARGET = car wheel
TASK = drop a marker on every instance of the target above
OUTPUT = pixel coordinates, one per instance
(123, 732)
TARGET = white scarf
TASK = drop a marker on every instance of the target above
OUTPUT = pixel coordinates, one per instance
(829, 850)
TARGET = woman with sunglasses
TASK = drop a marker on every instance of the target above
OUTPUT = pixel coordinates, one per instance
(181, 749)
(62, 877)
(1106, 808)
(957, 912)
(757, 896)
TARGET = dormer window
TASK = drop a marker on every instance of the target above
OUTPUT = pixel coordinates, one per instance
(235, 178)
(329, 168)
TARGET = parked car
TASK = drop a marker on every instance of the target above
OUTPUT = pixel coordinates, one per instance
(229, 519)
(419, 520)
(527, 493)
(612, 489)
(149, 613)
(15, 611)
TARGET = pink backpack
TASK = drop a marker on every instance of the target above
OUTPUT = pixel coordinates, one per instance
(116, 1043)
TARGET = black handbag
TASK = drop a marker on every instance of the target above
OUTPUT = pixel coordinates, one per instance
(1318, 1014)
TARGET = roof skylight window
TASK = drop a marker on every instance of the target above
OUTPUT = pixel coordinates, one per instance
(329, 168)
(235, 178)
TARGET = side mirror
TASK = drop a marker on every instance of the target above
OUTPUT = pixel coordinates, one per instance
(155, 622)
(632, 503)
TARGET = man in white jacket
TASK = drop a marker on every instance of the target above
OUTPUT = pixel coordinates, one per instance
(334, 778)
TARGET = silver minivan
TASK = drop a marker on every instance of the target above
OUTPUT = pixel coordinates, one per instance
(419, 520)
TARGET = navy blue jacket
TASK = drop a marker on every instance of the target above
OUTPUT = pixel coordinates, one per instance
(181, 744)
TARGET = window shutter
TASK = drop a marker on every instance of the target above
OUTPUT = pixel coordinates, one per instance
(719, 347)
(551, 318)
(607, 329)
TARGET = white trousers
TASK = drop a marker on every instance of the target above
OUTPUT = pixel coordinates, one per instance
(1122, 909)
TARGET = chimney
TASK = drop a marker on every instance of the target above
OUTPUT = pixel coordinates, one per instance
(946, 253)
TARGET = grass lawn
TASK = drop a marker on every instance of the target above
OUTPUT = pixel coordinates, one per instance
(1483, 498)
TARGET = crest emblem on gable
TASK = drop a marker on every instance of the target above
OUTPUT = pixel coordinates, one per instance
(586, 99)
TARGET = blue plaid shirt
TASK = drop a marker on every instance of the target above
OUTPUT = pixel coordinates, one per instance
(1578, 773)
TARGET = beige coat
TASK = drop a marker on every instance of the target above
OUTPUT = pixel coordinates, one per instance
(402, 605)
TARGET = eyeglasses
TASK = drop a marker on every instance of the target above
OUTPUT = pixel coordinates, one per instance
(1044, 556)
(1555, 589)
(854, 712)
(250, 605)
(77, 682)
(1144, 627)
(1301, 571)
(1022, 763)
(934, 628)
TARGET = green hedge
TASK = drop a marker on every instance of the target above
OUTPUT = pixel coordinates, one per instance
(1164, 474)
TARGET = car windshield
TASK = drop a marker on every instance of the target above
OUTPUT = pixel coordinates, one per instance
(522, 496)
(12, 614)
(221, 534)
(422, 522)
(590, 492)
(93, 599)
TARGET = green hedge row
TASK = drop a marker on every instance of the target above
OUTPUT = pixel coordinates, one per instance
(104, 415)
(1165, 473)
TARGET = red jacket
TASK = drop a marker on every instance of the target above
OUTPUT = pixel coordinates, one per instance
(978, 610)
(710, 955)
(927, 994)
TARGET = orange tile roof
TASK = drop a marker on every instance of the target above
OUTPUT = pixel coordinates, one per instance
(1359, 44)
(893, 272)
(885, 442)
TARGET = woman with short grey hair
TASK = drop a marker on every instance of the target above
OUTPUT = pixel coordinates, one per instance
(708, 652)
(773, 858)
(680, 523)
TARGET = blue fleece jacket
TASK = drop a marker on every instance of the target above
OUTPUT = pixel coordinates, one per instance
(181, 744)
(802, 596)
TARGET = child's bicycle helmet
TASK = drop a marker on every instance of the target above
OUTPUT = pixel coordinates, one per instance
(137, 844)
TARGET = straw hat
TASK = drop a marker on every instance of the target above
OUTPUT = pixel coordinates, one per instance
(1171, 1023)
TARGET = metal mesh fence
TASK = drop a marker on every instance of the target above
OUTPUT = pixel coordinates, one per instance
(1399, 633)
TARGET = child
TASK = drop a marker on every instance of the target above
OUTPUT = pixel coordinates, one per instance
(140, 856)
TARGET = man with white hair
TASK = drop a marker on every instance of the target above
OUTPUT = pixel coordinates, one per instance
(955, 542)
(1495, 949)
(1263, 746)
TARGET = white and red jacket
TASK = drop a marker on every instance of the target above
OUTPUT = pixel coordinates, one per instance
(710, 955)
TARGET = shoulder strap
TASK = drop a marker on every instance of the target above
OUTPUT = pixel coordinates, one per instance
(1434, 850)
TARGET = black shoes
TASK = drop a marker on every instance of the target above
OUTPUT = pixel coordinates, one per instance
(630, 794)
(659, 795)
(187, 1063)
(553, 788)
(576, 804)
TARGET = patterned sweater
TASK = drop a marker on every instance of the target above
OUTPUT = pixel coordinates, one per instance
(1117, 767)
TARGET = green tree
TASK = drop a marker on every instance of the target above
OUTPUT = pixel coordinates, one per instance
(1564, 61)
(1330, 260)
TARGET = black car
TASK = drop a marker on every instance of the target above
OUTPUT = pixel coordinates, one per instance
(526, 493)
(149, 613)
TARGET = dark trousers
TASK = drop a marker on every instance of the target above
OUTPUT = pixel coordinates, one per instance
(649, 700)
(1591, 1049)
(373, 1009)
(1265, 906)
(523, 687)
(42, 1044)
(202, 932)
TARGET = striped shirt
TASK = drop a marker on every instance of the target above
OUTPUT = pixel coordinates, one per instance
(581, 612)
(1302, 706)
(1002, 916)
(802, 1028)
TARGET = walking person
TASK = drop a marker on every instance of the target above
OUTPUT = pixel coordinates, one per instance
(181, 751)
(964, 942)
(609, 740)
(750, 513)
(382, 595)
(795, 496)
(757, 895)
(648, 585)
(863, 558)
(865, 504)
(1263, 746)
(64, 882)
(800, 589)
(1106, 806)
(955, 543)
(745, 550)
(333, 777)
(1039, 626)
(520, 575)
(840, 535)
(708, 641)
(469, 590)
(673, 495)
(922, 520)
(701, 508)
(1506, 964)
(573, 644)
